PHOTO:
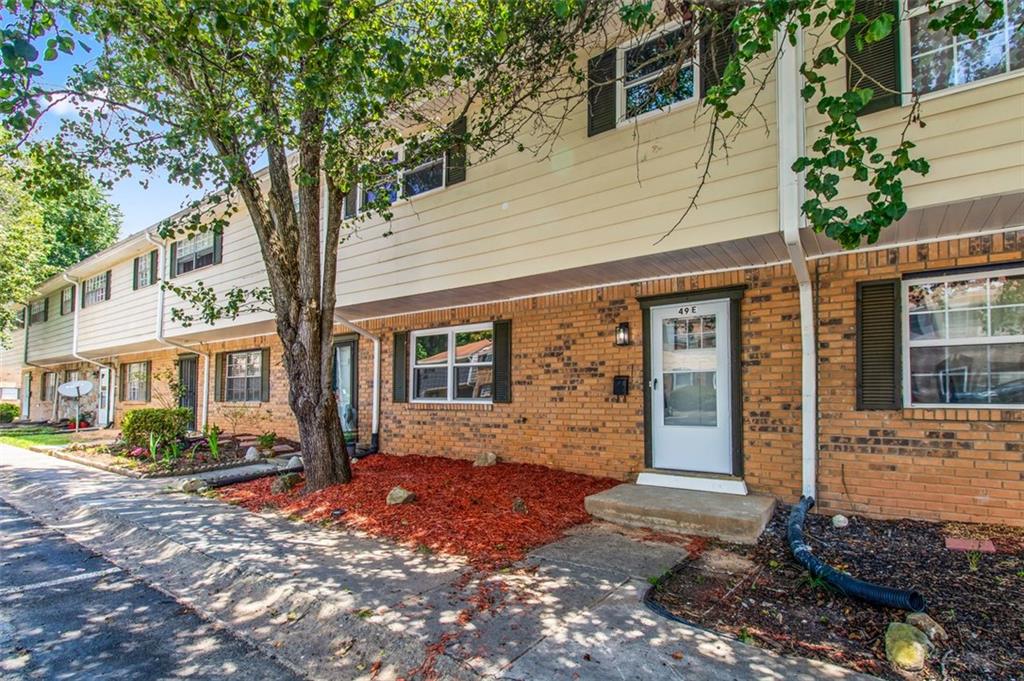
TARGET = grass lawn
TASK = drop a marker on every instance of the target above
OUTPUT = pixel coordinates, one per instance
(30, 437)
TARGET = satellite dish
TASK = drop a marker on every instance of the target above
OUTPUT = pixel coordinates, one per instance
(75, 388)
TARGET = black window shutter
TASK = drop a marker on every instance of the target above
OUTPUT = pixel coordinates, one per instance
(149, 380)
(46, 309)
(122, 382)
(350, 202)
(265, 375)
(154, 276)
(455, 162)
(715, 53)
(879, 351)
(877, 66)
(602, 93)
(135, 274)
(502, 392)
(106, 284)
(400, 372)
(173, 264)
(218, 247)
(218, 376)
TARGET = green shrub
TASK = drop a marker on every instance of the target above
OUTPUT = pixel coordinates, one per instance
(9, 412)
(165, 425)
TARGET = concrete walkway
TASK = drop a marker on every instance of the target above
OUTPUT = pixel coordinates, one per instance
(340, 604)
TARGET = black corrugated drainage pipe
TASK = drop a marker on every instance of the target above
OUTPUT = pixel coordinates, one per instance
(904, 599)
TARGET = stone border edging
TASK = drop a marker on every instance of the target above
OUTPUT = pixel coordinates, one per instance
(129, 473)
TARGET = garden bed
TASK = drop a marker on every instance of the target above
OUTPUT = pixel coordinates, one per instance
(193, 456)
(762, 596)
(493, 515)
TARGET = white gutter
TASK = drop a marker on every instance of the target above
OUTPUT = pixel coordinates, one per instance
(790, 116)
(375, 425)
(159, 330)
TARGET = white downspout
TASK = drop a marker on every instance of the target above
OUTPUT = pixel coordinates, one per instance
(375, 339)
(159, 331)
(74, 350)
(790, 110)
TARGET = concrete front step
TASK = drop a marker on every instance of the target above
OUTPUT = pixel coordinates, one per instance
(730, 517)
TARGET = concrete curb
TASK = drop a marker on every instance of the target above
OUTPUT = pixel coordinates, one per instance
(316, 637)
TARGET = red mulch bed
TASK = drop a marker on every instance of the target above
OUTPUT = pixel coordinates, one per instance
(459, 509)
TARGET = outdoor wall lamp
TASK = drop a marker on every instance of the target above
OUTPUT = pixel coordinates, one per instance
(622, 334)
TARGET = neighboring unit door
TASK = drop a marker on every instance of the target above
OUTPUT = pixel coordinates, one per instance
(345, 386)
(691, 409)
(26, 395)
(103, 401)
(188, 379)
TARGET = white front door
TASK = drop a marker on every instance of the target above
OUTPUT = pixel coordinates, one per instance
(691, 409)
(26, 395)
(103, 401)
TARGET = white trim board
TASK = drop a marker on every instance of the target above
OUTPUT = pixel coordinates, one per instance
(694, 482)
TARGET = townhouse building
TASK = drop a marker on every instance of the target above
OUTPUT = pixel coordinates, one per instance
(552, 311)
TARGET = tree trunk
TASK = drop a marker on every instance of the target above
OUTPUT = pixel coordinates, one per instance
(324, 452)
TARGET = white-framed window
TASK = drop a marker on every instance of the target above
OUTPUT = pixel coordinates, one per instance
(426, 177)
(37, 311)
(71, 375)
(243, 376)
(49, 386)
(67, 300)
(144, 270)
(136, 381)
(96, 289)
(964, 340)
(642, 67)
(455, 364)
(195, 252)
(936, 61)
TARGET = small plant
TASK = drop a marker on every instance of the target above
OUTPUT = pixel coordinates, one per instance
(745, 636)
(154, 447)
(172, 453)
(213, 441)
(815, 583)
(9, 412)
(973, 560)
(265, 442)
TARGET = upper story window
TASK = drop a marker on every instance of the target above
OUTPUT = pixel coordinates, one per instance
(144, 270)
(67, 300)
(425, 177)
(197, 251)
(453, 365)
(653, 75)
(965, 340)
(38, 311)
(938, 60)
(96, 289)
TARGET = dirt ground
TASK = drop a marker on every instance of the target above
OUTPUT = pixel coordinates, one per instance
(762, 596)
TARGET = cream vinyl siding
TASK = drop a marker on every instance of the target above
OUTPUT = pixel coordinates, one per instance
(128, 317)
(973, 139)
(242, 265)
(591, 200)
(50, 339)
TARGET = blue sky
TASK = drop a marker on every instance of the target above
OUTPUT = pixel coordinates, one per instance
(140, 206)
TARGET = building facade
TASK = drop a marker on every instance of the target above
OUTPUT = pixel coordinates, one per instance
(552, 311)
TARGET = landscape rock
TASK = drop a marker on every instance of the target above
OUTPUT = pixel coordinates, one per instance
(193, 485)
(284, 483)
(839, 520)
(252, 454)
(932, 629)
(295, 462)
(519, 506)
(485, 459)
(906, 646)
(400, 495)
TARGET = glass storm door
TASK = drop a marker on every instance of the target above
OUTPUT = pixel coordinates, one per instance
(26, 395)
(103, 400)
(345, 386)
(690, 387)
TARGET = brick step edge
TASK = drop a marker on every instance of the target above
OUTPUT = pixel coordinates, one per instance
(302, 631)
